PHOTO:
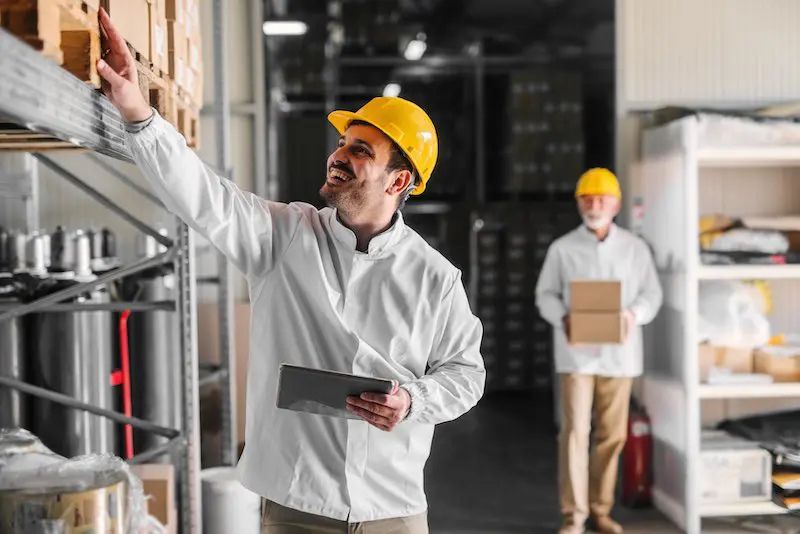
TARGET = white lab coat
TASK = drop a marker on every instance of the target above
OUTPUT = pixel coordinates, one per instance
(580, 255)
(398, 312)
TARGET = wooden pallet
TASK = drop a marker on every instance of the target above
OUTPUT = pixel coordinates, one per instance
(154, 84)
(12, 137)
(184, 114)
(66, 31)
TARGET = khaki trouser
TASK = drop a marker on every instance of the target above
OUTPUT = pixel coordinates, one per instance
(587, 481)
(277, 519)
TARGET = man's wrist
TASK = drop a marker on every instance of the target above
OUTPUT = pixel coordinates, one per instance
(407, 395)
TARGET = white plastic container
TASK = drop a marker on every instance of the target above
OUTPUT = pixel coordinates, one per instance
(227, 505)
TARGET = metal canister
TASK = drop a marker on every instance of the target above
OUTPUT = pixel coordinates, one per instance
(13, 409)
(5, 260)
(72, 354)
(61, 253)
(154, 348)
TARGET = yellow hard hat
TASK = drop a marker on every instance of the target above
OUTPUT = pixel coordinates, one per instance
(406, 124)
(598, 181)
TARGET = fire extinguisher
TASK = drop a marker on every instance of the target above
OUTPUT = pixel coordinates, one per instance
(637, 459)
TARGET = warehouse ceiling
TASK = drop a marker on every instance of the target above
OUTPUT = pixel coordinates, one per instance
(556, 27)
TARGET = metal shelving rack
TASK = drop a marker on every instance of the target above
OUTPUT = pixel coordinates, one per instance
(39, 95)
(690, 168)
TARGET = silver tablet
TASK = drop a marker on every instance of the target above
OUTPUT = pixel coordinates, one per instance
(323, 392)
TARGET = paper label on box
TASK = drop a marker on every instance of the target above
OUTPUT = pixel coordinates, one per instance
(194, 57)
(189, 78)
(159, 40)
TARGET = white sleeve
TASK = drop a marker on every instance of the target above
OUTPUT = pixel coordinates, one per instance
(550, 290)
(251, 231)
(648, 301)
(455, 378)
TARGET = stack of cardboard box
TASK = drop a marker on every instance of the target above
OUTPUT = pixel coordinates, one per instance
(158, 483)
(546, 142)
(511, 247)
(143, 24)
(177, 41)
(733, 470)
(596, 315)
(782, 365)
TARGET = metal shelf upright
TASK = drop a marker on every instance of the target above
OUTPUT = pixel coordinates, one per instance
(38, 95)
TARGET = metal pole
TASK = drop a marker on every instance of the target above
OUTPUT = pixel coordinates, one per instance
(166, 448)
(211, 378)
(121, 176)
(104, 200)
(225, 294)
(191, 518)
(480, 126)
(161, 305)
(71, 402)
(78, 289)
(263, 186)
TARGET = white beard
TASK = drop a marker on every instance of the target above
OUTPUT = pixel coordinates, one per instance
(596, 223)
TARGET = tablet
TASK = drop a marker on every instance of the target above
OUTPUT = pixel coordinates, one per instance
(322, 392)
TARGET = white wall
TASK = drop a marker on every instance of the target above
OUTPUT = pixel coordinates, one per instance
(700, 53)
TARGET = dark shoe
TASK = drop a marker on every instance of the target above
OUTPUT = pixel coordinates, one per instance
(606, 525)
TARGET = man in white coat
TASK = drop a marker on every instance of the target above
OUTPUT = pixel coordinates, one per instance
(348, 288)
(595, 380)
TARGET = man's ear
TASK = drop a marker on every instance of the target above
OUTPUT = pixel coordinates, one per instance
(399, 181)
(618, 208)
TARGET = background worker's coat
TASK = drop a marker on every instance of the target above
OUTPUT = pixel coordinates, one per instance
(580, 255)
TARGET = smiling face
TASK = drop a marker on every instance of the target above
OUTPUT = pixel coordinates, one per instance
(357, 179)
(598, 211)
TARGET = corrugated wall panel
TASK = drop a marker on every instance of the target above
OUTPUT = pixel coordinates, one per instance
(709, 52)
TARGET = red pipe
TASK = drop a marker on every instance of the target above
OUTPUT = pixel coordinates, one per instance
(126, 380)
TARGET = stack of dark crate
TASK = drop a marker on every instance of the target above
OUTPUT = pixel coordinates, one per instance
(545, 148)
(517, 343)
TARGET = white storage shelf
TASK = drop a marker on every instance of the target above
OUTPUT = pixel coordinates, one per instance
(750, 391)
(748, 272)
(742, 509)
(690, 167)
(750, 156)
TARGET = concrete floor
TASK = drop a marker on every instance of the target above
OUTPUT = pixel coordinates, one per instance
(493, 471)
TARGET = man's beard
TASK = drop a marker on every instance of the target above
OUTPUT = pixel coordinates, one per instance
(347, 199)
(596, 222)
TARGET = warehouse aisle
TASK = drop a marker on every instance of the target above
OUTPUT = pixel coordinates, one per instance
(494, 472)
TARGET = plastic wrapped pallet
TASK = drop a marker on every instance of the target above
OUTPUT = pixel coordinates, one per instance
(42, 492)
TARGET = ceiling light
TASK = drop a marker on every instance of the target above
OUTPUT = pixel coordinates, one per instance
(285, 27)
(415, 48)
(391, 89)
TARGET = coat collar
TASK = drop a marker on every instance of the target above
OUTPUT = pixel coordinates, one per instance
(378, 245)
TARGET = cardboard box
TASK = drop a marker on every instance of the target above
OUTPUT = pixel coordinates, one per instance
(93, 510)
(735, 360)
(158, 482)
(733, 470)
(782, 368)
(132, 19)
(597, 327)
(158, 35)
(208, 352)
(595, 296)
(175, 10)
(707, 356)
(177, 52)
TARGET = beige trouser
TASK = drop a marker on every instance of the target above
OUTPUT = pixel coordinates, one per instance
(277, 519)
(587, 481)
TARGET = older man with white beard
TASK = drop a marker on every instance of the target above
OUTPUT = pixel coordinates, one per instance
(596, 380)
